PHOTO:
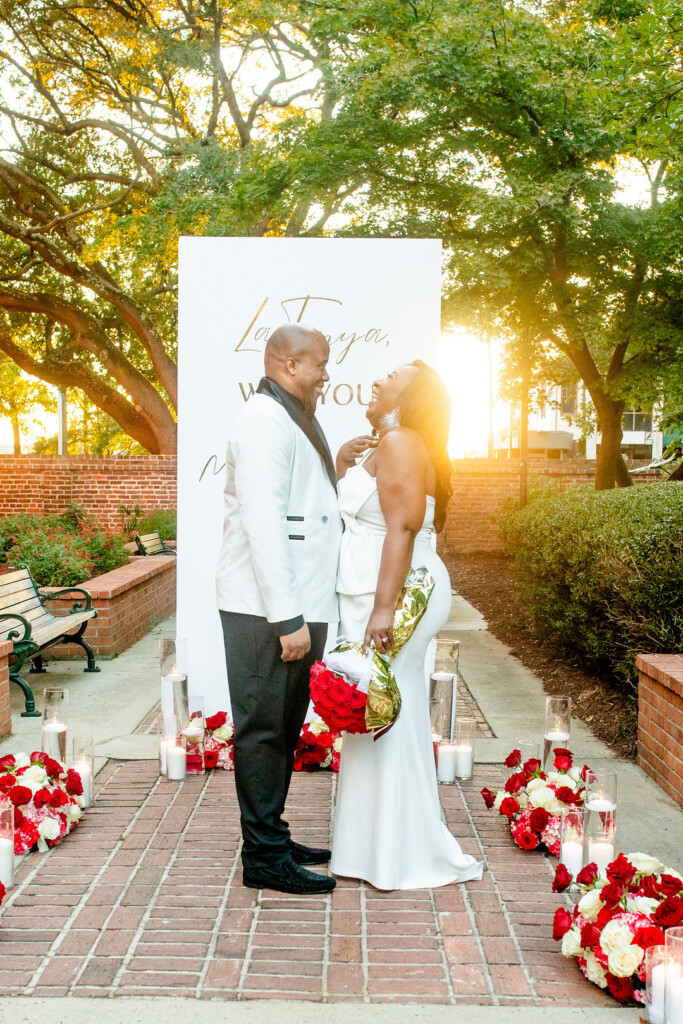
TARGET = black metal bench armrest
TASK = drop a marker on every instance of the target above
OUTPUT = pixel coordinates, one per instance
(77, 606)
(14, 634)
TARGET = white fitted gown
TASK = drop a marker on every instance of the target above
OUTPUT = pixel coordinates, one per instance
(388, 828)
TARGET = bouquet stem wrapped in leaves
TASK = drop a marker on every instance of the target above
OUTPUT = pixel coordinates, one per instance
(357, 692)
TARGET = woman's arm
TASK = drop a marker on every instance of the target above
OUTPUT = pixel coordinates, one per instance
(401, 484)
(352, 450)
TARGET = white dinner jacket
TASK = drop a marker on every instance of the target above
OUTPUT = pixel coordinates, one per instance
(282, 528)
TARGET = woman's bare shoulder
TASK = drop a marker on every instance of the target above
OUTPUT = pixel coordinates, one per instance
(401, 443)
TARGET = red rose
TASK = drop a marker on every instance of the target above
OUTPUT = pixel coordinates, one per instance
(216, 721)
(58, 798)
(18, 817)
(539, 818)
(8, 761)
(668, 914)
(74, 786)
(590, 936)
(562, 762)
(562, 879)
(584, 772)
(20, 795)
(514, 759)
(562, 922)
(621, 988)
(42, 797)
(650, 935)
(509, 807)
(531, 766)
(527, 840)
(611, 894)
(358, 699)
(621, 870)
(565, 794)
(25, 837)
(515, 783)
(489, 798)
(338, 690)
(6, 783)
(210, 758)
(668, 885)
(587, 875)
(605, 916)
(649, 887)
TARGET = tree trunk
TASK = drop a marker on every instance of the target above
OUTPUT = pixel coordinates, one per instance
(607, 471)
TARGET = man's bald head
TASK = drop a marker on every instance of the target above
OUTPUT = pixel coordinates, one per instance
(296, 359)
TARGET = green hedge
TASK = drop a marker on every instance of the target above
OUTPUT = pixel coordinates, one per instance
(603, 571)
(163, 520)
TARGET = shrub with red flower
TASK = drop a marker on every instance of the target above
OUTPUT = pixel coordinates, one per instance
(533, 800)
(47, 799)
(617, 918)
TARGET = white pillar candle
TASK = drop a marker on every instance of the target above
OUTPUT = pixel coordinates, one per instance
(674, 998)
(556, 737)
(598, 803)
(53, 740)
(193, 733)
(571, 855)
(163, 746)
(600, 853)
(7, 863)
(655, 1008)
(175, 760)
(445, 765)
(85, 772)
(464, 759)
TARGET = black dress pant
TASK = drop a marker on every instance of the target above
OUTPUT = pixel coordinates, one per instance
(269, 699)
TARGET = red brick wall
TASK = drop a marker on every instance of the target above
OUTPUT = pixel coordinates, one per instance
(660, 720)
(479, 486)
(42, 484)
(129, 601)
(5, 708)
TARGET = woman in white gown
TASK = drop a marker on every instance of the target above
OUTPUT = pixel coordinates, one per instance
(388, 825)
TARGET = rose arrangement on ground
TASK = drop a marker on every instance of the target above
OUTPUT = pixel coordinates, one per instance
(218, 742)
(47, 799)
(533, 800)
(618, 917)
(318, 747)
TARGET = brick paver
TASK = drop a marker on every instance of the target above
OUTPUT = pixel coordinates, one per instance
(145, 898)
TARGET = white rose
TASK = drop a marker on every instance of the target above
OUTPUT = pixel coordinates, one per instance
(535, 784)
(21, 760)
(317, 726)
(224, 733)
(34, 777)
(500, 796)
(642, 904)
(594, 971)
(74, 812)
(558, 777)
(337, 745)
(47, 829)
(575, 774)
(615, 936)
(523, 799)
(571, 942)
(644, 863)
(590, 905)
(623, 962)
(543, 797)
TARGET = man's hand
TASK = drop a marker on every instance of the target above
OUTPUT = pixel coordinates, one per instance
(296, 645)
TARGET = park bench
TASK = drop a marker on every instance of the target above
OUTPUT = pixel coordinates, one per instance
(33, 629)
(152, 544)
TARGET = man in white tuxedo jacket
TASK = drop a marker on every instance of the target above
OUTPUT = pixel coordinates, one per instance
(276, 584)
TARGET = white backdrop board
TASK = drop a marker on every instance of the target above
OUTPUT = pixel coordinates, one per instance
(377, 301)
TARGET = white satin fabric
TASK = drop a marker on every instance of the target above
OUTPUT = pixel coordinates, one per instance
(388, 828)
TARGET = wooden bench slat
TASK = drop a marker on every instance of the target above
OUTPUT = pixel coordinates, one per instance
(149, 536)
(49, 630)
(16, 588)
(21, 607)
(16, 574)
(20, 598)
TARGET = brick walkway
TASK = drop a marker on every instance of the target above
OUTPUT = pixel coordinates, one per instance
(145, 898)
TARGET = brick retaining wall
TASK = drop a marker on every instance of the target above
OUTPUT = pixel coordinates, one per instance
(660, 720)
(129, 601)
(5, 707)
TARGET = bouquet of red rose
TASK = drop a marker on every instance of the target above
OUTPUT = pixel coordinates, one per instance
(45, 796)
(318, 747)
(219, 737)
(533, 800)
(356, 691)
(617, 918)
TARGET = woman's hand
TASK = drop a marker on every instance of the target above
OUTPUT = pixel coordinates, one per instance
(352, 450)
(380, 630)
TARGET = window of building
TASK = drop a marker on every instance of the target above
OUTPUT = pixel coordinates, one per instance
(568, 400)
(636, 419)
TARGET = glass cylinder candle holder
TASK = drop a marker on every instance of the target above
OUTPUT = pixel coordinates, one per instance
(601, 789)
(572, 827)
(446, 659)
(465, 733)
(6, 841)
(442, 688)
(528, 751)
(656, 963)
(194, 736)
(55, 722)
(176, 757)
(673, 993)
(446, 759)
(558, 716)
(174, 691)
(600, 839)
(83, 761)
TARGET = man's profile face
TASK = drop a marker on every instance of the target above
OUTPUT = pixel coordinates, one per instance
(309, 371)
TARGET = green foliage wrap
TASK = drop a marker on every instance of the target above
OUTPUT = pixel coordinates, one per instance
(603, 572)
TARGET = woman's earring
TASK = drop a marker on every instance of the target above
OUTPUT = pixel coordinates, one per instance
(391, 420)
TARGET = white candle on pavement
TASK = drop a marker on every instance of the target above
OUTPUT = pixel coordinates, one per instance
(193, 733)
(556, 736)
(571, 855)
(53, 739)
(85, 772)
(674, 999)
(445, 765)
(464, 760)
(655, 1008)
(601, 853)
(598, 803)
(7, 863)
(175, 760)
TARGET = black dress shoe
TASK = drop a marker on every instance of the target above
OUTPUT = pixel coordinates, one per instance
(288, 877)
(308, 854)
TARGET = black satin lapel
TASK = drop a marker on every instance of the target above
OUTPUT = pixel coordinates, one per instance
(308, 424)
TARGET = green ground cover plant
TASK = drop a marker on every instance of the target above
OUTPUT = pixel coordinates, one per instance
(603, 572)
(59, 550)
(163, 520)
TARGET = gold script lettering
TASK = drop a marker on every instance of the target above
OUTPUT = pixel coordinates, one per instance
(208, 462)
